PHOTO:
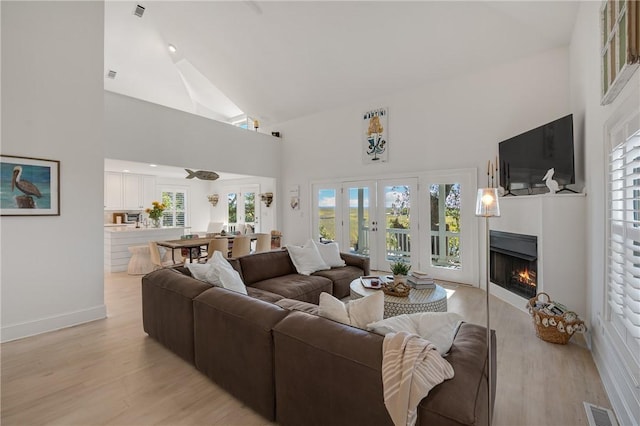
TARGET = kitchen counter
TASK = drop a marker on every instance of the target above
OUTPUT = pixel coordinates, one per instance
(132, 228)
(118, 239)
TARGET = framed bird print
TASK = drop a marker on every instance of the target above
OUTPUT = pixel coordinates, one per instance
(29, 186)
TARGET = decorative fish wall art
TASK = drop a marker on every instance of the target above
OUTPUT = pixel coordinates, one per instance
(201, 174)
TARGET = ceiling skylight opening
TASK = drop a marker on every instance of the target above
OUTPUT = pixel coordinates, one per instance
(153, 165)
(138, 11)
(172, 48)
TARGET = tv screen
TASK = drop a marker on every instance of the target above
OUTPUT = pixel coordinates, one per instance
(526, 158)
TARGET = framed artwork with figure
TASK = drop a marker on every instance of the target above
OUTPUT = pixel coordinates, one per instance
(375, 148)
(29, 186)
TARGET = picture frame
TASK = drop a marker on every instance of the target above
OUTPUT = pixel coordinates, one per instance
(29, 186)
(375, 140)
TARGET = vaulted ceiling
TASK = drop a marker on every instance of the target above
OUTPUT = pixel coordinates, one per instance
(276, 61)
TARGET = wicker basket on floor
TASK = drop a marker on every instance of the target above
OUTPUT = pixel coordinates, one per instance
(553, 328)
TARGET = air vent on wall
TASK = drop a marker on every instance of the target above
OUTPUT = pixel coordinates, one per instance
(139, 11)
(599, 416)
(111, 74)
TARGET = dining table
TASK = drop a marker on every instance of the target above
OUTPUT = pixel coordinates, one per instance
(191, 243)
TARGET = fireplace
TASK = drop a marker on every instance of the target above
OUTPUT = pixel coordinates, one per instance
(514, 262)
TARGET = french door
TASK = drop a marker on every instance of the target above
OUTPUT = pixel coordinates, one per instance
(242, 208)
(449, 226)
(397, 238)
(369, 218)
(427, 221)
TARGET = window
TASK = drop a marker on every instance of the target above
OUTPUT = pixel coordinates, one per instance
(620, 45)
(175, 201)
(623, 260)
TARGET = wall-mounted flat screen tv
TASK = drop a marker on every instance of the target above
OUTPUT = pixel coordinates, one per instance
(526, 158)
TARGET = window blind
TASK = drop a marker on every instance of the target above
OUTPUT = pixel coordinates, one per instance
(623, 286)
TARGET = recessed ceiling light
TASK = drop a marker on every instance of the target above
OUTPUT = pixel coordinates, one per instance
(172, 48)
(153, 165)
(126, 170)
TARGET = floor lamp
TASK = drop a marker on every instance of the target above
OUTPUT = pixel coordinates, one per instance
(487, 206)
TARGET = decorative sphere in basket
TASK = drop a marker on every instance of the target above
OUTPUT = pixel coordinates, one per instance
(396, 289)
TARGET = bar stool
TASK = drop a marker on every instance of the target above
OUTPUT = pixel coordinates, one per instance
(140, 261)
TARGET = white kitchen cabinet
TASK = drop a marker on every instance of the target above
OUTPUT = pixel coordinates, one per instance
(112, 191)
(126, 191)
(138, 191)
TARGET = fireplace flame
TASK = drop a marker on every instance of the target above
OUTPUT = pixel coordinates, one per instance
(526, 277)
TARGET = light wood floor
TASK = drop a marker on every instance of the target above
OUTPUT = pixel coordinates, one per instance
(110, 372)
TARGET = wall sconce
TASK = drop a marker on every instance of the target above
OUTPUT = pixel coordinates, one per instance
(267, 198)
(213, 199)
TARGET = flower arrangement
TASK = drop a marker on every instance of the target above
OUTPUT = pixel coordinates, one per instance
(155, 212)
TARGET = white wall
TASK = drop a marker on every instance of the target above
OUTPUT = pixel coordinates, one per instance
(52, 102)
(136, 130)
(448, 124)
(585, 100)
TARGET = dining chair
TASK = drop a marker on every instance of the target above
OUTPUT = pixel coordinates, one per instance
(156, 258)
(263, 243)
(218, 244)
(241, 246)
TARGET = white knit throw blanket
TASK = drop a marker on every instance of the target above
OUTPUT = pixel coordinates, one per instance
(411, 367)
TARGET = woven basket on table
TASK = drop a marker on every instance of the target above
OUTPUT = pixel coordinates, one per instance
(396, 289)
(554, 328)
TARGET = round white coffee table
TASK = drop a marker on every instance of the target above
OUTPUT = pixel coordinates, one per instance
(431, 300)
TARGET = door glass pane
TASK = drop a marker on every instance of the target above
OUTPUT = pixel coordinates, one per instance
(249, 207)
(359, 220)
(326, 214)
(397, 216)
(232, 202)
(445, 225)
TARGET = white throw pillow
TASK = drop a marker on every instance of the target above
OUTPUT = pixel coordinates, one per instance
(222, 274)
(358, 312)
(307, 259)
(330, 253)
(439, 328)
(199, 271)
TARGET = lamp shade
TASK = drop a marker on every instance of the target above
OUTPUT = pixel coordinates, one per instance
(487, 202)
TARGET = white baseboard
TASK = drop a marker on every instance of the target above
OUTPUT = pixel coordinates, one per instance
(44, 325)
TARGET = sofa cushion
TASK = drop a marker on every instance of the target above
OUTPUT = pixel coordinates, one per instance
(358, 312)
(330, 253)
(297, 305)
(222, 273)
(298, 287)
(263, 266)
(341, 278)
(327, 373)
(234, 345)
(307, 259)
(264, 295)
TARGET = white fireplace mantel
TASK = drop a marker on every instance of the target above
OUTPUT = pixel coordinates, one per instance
(559, 222)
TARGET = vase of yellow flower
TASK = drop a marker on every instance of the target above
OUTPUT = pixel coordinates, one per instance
(155, 213)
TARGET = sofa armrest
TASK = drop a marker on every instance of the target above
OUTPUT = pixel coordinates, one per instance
(358, 261)
(167, 309)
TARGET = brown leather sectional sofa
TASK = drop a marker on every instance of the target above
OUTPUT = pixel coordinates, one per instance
(294, 367)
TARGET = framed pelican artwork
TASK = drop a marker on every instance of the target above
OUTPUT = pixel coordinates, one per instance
(29, 186)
